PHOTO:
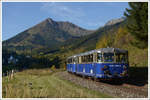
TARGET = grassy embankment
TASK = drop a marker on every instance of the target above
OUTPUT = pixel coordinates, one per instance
(43, 83)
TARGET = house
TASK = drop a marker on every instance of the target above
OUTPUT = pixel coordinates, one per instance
(12, 59)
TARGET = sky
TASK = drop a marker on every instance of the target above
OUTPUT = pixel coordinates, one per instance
(19, 16)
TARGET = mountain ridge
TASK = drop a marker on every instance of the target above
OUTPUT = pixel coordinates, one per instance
(114, 21)
(52, 35)
(47, 33)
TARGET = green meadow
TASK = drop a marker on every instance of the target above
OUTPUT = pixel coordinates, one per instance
(44, 83)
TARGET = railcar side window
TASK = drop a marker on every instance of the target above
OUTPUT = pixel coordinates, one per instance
(80, 60)
(91, 58)
(77, 60)
(99, 57)
(87, 58)
(83, 58)
(108, 57)
(73, 60)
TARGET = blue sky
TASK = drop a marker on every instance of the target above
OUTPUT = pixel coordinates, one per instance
(19, 16)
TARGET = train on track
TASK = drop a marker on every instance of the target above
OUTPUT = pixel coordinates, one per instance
(104, 63)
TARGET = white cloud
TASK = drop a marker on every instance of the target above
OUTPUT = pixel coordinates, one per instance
(71, 13)
(97, 24)
(63, 11)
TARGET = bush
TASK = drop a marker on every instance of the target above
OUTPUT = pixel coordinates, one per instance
(53, 68)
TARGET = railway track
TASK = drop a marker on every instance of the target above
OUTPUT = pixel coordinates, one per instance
(115, 89)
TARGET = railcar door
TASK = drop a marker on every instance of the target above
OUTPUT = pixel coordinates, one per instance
(94, 64)
(76, 64)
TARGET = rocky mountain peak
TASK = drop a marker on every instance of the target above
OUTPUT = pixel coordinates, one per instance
(114, 21)
(51, 21)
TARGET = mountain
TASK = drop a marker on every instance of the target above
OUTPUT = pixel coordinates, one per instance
(88, 42)
(115, 21)
(47, 34)
(50, 36)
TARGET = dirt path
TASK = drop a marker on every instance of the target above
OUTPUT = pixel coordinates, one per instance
(120, 90)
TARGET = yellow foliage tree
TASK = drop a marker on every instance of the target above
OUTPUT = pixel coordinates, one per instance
(105, 41)
(121, 37)
(53, 68)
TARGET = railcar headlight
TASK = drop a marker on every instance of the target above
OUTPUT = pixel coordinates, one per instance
(105, 67)
(124, 73)
(106, 72)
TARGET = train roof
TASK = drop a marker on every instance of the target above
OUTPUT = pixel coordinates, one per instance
(111, 50)
(101, 50)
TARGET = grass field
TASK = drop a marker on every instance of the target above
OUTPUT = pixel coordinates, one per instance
(43, 83)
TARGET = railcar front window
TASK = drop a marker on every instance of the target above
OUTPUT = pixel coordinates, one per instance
(99, 57)
(108, 57)
(122, 58)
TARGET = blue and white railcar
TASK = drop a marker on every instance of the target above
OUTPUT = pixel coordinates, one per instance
(101, 63)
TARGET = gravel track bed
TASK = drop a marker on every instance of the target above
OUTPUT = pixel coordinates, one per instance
(120, 91)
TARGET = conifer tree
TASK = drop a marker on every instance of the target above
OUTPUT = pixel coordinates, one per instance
(137, 17)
